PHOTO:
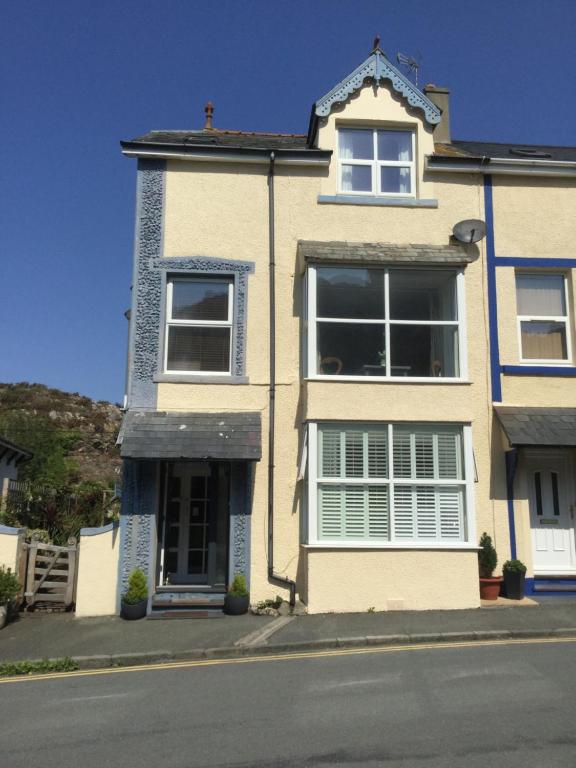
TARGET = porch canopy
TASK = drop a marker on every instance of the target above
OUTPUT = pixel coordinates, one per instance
(174, 435)
(553, 427)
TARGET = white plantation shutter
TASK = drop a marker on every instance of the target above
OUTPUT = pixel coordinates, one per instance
(451, 509)
(354, 454)
(449, 456)
(378, 453)
(330, 453)
(404, 517)
(402, 453)
(353, 512)
(378, 513)
(426, 518)
(355, 519)
(423, 447)
(330, 508)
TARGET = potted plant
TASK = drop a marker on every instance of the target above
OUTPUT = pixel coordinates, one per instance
(237, 598)
(514, 577)
(487, 561)
(9, 589)
(135, 599)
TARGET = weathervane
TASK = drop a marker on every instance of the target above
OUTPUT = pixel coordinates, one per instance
(412, 64)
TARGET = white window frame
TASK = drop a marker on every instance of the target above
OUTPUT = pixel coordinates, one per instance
(376, 164)
(548, 318)
(469, 514)
(172, 322)
(459, 323)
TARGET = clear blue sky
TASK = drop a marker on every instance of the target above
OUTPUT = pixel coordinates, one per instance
(76, 76)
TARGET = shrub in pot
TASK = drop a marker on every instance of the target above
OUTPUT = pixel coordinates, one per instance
(237, 598)
(487, 561)
(135, 599)
(514, 579)
(9, 590)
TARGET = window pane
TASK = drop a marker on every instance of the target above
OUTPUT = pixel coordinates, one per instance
(350, 293)
(353, 512)
(355, 145)
(425, 513)
(421, 294)
(330, 453)
(356, 178)
(198, 349)
(540, 295)
(200, 300)
(394, 145)
(543, 340)
(395, 180)
(421, 350)
(351, 349)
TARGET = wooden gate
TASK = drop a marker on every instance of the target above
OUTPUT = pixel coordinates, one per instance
(51, 573)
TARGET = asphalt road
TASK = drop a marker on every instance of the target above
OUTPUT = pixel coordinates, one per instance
(508, 705)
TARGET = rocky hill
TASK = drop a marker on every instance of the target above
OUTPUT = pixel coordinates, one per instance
(49, 421)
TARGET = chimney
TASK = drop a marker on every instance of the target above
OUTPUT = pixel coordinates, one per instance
(208, 111)
(440, 97)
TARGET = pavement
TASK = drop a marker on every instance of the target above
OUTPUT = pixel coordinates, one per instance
(111, 641)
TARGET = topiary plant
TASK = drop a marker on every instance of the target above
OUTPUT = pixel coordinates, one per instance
(238, 587)
(137, 588)
(514, 566)
(487, 557)
(9, 586)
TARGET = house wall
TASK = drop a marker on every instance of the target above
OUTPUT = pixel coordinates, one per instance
(97, 581)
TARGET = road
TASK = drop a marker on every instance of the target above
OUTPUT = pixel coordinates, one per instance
(510, 705)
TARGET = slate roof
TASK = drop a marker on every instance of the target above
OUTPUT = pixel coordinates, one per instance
(12, 452)
(228, 139)
(411, 253)
(173, 435)
(505, 151)
(538, 426)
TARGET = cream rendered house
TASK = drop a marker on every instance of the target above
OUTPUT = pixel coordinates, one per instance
(327, 391)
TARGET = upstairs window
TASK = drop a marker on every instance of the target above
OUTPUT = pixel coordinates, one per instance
(385, 323)
(376, 162)
(543, 328)
(199, 325)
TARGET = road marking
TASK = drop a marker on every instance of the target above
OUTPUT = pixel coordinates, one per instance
(285, 657)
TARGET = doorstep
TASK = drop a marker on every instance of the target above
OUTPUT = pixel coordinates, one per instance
(504, 602)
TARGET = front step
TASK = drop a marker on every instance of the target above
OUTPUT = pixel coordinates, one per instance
(184, 604)
(555, 585)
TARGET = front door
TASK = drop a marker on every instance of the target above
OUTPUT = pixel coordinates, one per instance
(194, 524)
(551, 514)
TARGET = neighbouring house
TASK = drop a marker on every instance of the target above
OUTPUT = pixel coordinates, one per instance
(329, 391)
(11, 456)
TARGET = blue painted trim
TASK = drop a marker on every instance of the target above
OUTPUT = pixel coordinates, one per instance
(492, 302)
(511, 458)
(393, 202)
(521, 261)
(9, 531)
(529, 585)
(539, 370)
(98, 531)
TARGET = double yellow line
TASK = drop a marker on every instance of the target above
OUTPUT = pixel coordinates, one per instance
(284, 657)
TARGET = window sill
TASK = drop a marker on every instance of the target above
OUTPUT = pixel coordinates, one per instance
(436, 380)
(398, 202)
(538, 370)
(191, 378)
(460, 546)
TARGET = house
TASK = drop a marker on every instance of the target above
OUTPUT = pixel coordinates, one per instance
(11, 456)
(328, 391)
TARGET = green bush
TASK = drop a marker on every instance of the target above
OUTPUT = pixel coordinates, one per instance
(137, 588)
(9, 586)
(238, 587)
(514, 566)
(487, 557)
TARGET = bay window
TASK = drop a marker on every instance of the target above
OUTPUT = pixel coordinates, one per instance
(386, 323)
(198, 325)
(390, 484)
(376, 162)
(543, 328)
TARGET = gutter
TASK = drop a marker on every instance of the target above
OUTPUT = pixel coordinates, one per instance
(272, 399)
(211, 154)
(500, 166)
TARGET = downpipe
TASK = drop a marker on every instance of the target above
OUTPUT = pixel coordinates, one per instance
(276, 577)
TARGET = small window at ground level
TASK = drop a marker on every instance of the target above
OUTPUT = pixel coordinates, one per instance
(389, 483)
(378, 162)
(543, 327)
(198, 325)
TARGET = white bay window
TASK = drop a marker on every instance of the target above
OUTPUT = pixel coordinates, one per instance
(390, 484)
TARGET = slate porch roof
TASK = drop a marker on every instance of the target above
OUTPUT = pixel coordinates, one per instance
(175, 435)
(538, 426)
(315, 251)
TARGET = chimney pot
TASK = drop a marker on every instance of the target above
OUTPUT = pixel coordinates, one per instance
(209, 112)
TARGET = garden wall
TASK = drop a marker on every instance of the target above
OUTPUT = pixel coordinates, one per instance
(97, 585)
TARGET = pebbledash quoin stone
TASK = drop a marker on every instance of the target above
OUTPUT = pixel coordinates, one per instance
(351, 353)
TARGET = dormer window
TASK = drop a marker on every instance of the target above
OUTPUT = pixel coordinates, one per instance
(376, 162)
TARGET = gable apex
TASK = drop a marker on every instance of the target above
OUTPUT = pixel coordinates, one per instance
(377, 67)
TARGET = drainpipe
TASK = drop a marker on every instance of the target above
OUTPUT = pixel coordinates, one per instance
(272, 400)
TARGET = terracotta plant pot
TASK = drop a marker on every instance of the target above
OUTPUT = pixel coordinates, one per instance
(490, 588)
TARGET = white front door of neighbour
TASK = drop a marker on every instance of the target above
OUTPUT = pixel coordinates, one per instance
(551, 514)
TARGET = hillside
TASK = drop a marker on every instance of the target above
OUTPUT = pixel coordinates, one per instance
(72, 437)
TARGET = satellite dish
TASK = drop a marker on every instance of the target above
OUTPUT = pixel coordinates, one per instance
(469, 230)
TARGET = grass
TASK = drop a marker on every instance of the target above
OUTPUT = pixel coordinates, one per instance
(14, 668)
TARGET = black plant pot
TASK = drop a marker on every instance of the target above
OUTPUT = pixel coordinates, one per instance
(514, 584)
(236, 605)
(132, 611)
